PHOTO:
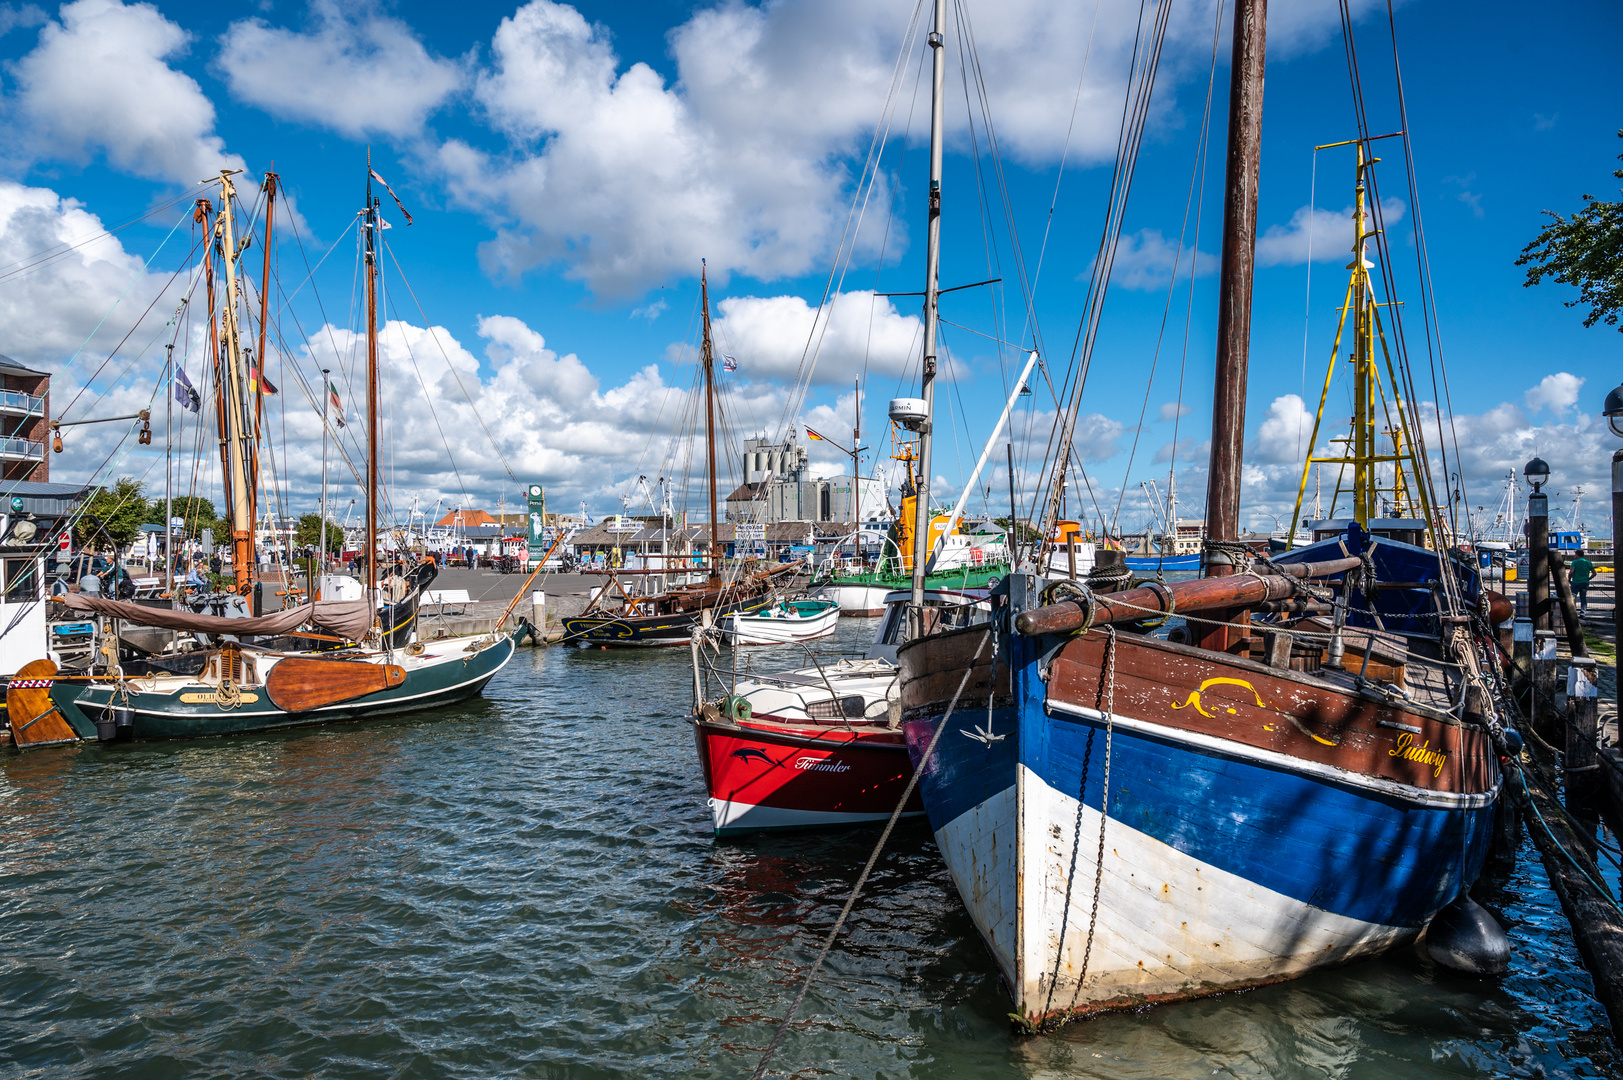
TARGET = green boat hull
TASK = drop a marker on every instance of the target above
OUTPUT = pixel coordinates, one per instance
(160, 715)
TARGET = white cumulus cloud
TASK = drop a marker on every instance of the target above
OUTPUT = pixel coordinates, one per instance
(1325, 234)
(356, 72)
(1556, 393)
(99, 83)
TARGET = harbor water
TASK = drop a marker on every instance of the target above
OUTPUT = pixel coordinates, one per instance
(527, 886)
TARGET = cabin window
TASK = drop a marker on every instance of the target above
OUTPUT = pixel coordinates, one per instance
(22, 581)
(846, 708)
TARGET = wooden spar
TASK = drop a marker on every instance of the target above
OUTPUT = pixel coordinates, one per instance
(237, 450)
(1204, 594)
(264, 294)
(1234, 292)
(710, 425)
(371, 556)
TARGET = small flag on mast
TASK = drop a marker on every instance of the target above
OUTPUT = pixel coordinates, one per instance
(392, 195)
(810, 434)
(728, 363)
(337, 406)
(185, 393)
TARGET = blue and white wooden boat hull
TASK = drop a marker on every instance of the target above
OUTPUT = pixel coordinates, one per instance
(1227, 863)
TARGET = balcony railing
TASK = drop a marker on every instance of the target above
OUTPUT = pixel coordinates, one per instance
(21, 450)
(15, 401)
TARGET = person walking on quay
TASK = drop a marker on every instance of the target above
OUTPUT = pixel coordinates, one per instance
(1581, 570)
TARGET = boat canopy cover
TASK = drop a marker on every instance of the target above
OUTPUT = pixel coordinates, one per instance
(350, 619)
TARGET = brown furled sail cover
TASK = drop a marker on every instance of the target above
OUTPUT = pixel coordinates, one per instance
(297, 683)
(35, 721)
(350, 619)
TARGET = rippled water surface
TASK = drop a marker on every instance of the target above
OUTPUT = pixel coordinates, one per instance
(526, 886)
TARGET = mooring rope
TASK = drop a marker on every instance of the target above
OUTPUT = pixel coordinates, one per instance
(873, 858)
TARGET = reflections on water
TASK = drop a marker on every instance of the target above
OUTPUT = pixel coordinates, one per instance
(526, 886)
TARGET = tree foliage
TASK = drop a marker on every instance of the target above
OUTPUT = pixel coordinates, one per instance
(113, 513)
(196, 511)
(309, 529)
(1023, 531)
(1585, 250)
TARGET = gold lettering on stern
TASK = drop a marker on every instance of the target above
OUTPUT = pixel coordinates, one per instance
(1194, 699)
(1408, 751)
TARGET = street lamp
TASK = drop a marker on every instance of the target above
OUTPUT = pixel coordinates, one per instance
(1614, 410)
(1537, 472)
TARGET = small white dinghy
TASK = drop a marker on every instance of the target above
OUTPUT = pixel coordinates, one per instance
(784, 621)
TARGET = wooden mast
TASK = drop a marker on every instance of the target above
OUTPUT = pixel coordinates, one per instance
(932, 296)
(1234, 293)
(709, 357)
(269, 188)
(237, 431)
(371, 383)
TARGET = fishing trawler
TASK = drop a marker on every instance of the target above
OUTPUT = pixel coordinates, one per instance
(309, 664)
(1130, 820)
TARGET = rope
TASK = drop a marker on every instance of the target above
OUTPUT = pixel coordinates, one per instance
(862, 879)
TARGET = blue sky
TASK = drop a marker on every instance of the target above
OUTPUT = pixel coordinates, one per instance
(568, 167)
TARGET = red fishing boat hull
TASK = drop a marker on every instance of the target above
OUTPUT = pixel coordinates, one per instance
(763, 774)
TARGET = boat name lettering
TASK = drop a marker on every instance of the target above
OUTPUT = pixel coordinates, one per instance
(1423, 753)
(821, 764)
(213, 698)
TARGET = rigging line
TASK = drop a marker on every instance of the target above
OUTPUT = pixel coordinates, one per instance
(1064, 156)
(173, 321)
(138, 276)
(1428, 307)
(1307, 315)
(1172, 281)
(864, 193)
(288, 296)
(45, 255)
(873, 858)
(994, 260)
(1424, 478)
(890, 215)
(304, 384)
(1135, 113)
(1017, 252)
(989, 337)
(454, 373)
(1189, 311)
(432, 412)
(298, 238)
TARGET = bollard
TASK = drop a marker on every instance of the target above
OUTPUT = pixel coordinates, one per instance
(538, 601)
(1546, 721)
(1521, 654)
(1583, 729)
(1538, 559)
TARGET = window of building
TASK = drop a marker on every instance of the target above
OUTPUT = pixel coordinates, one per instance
(22, 580)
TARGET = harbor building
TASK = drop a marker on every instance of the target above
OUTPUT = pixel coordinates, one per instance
(25, 422)
(778, 488)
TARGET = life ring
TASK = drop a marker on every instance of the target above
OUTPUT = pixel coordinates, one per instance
(737, 708)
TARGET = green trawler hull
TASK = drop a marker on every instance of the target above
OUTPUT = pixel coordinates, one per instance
(864, 594)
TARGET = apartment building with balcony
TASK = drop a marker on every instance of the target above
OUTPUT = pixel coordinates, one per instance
(25, 417)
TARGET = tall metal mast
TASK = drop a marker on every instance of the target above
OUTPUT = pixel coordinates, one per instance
(1234, 289)
(238, 429)
(709, 357)
(326, 402)
(371, 382)
(932, 295)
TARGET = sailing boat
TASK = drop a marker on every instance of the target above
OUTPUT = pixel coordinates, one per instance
(1131, 821)
(668, 618)
(822, 746)
(259, 676)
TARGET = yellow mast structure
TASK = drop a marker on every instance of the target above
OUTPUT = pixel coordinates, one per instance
(1380, 417)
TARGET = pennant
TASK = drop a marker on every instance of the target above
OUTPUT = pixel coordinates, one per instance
(253, 377)
(267, 387)
(185, 393)
(392, 195)
(337, 406)
(810, 434)
(728, 363)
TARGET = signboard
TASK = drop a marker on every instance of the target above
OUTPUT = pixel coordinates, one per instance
(751, 532)
(621, 524)
(539, 538)
(179, 523)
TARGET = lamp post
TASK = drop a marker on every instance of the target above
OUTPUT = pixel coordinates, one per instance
(1613, 411)
(1537, 473)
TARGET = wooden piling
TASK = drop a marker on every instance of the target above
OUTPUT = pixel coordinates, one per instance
(1547, 721)
(1583, 752)
(1597, 923)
